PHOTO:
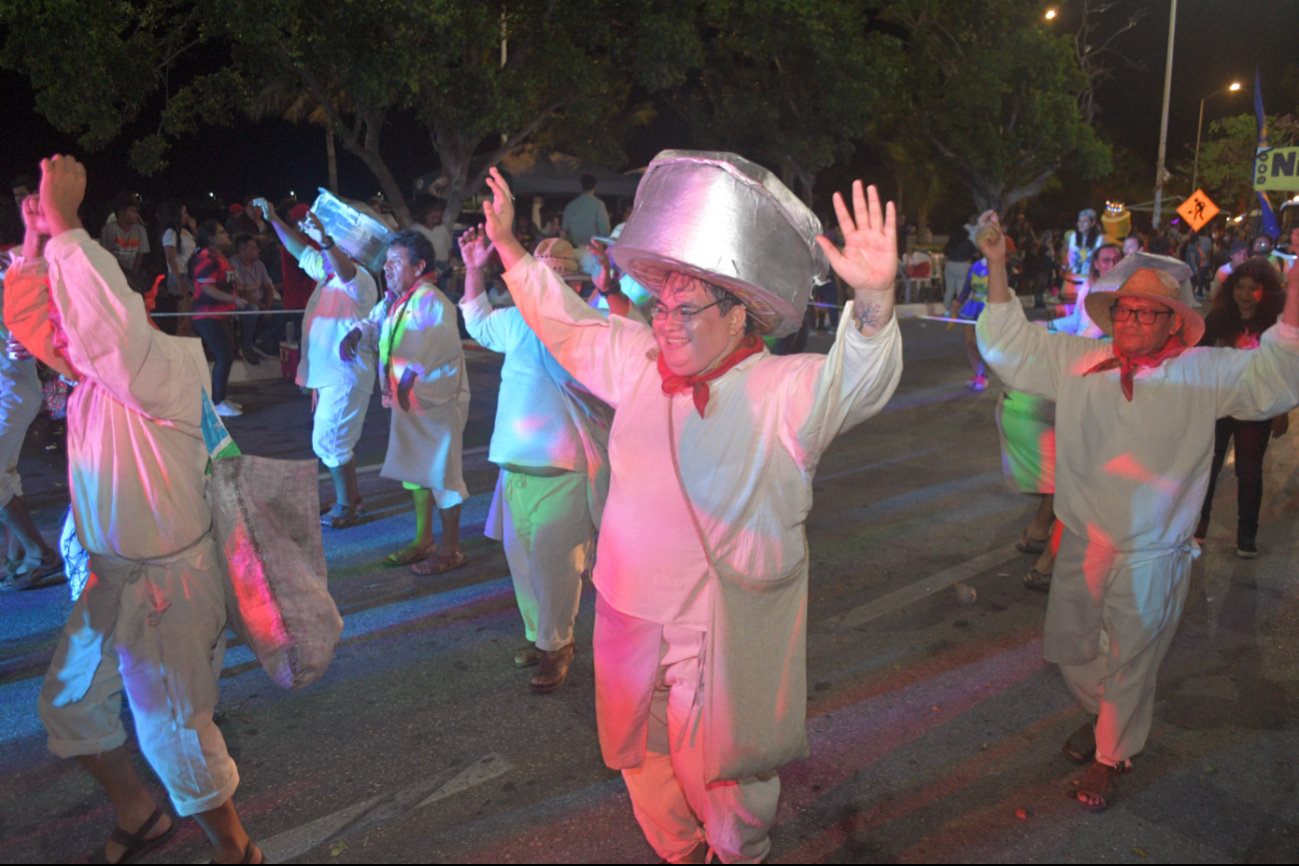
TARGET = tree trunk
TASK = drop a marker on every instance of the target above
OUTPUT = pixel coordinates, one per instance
(368, 151)
(331, 154)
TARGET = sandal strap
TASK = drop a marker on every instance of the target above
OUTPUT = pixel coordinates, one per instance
(249, 852)
(129, 840)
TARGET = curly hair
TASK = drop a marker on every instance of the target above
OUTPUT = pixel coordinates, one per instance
(1225, 314)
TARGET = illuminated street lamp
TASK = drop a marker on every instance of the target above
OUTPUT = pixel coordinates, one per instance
(1195, 172)
(1050, 14)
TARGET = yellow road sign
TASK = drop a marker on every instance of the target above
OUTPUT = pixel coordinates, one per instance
(1198, 209)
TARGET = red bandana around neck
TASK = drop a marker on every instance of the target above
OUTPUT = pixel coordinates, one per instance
(1128, 364)
(674, 384)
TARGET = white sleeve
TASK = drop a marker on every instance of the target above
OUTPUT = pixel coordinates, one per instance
(825, 396)
(1027, 358)
(109, 338)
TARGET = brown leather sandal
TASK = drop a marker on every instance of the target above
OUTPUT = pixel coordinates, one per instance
(135, 844)
(1100, 781)
(553, 670)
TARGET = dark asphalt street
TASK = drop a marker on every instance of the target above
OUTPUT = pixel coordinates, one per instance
(935, 726)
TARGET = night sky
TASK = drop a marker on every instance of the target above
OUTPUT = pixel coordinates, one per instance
(1218, 41)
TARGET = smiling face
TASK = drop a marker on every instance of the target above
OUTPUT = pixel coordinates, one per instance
(693, 346)
(1132, 336)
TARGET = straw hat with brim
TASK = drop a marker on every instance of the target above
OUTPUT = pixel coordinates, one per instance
(729, 222)
(559, 255)
(1154, 285)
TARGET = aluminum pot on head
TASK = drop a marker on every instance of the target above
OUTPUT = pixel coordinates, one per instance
(731, 222)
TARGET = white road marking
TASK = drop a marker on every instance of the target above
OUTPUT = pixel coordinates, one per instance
(283, 847)
(920, 589)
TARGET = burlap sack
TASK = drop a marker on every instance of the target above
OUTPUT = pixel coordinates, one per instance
(266, 521)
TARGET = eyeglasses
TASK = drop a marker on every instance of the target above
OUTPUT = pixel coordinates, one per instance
(681, 314)
(1145, 317)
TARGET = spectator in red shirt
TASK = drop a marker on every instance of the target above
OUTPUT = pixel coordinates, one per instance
(297, 286)
(214, 295)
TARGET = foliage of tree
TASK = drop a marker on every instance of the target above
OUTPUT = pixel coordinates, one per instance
(365, 65)
(1227, 155)
(792, 84)
(994, 95)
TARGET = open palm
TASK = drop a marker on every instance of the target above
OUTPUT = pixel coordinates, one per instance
(475, 249)
(869, 261)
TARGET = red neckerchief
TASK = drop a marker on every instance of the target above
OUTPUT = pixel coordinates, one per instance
(674, 384)
(1128, 363)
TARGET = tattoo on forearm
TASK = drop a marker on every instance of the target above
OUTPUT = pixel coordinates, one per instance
(867, 315)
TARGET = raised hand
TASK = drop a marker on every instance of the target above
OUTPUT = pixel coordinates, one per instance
(989, 237)
(312, 223)
(869, 261)
(63, 186)
(475, 249)
(603, 282)
(500, 210)
(33, 218)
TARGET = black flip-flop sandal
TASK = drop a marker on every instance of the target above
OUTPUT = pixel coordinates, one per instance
(1102, 781)
(1081, 745)
(1031, 546)
(1036, 580)
(135, 844)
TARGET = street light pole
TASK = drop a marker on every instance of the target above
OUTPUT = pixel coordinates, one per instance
(1163, 122)
(1195, 172)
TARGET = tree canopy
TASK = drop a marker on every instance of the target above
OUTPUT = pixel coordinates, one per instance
(978, 88)
(994, 95)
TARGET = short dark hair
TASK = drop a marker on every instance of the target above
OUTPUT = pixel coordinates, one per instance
(727, 301)
(207, 230)
(588, 182)
(241, 239)
(417, 247)
(125, 201)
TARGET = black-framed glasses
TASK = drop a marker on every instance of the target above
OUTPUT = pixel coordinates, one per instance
(1145, 317)
(682, 314)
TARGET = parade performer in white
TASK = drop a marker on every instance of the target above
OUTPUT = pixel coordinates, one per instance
(344, 296)
(1134, 441)
(151, 619)
(551, 441)
(422, 370)
(702, 564)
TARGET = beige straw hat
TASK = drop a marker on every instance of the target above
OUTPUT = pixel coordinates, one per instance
(559, 255)
(1156, 285)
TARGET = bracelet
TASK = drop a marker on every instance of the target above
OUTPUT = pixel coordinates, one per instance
(327, 245)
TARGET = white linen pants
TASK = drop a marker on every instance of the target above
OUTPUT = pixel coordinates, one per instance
(337, 423)
(20, 402)
(548, 536)
(157, 630)
(1109, 649)
(674, 806)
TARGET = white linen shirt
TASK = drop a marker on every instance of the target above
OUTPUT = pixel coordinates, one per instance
(747, 465)
(333, 310)
(1131, 476)
(136, 455)
(534, 428)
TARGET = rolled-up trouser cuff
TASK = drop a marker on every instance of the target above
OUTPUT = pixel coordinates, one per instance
(212, 801)
(79, 748)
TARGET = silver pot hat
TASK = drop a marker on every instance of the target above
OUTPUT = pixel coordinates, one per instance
(724, 219)
(360, 235)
